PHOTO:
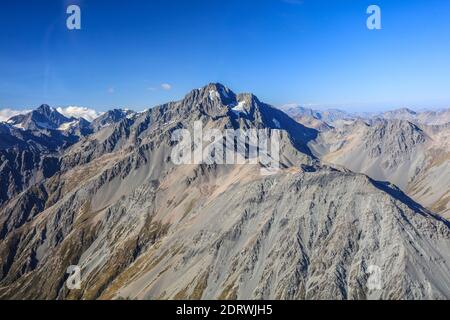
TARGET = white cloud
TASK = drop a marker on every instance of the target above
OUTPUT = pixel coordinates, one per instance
(166, 86)
(79, 112)
(111, 90)
(5, 114)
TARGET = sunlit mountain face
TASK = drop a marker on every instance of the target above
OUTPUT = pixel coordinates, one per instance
(241, 150)
(107, 197)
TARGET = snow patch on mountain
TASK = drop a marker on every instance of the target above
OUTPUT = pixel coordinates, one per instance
(213, 94)
(67, 125)
(239, 108)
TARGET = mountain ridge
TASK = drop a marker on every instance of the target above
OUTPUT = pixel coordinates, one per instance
(335, 117)
(141, 227)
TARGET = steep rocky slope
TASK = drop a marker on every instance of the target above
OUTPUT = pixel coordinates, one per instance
(141, 227)
(414, 157)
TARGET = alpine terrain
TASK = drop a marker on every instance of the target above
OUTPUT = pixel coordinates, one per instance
(357, 209)
(407, 148)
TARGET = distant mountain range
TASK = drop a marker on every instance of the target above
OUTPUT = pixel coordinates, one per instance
(323, 119)
(352, 193)
(410, 149)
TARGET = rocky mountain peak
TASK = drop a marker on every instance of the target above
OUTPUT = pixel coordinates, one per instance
(213, 99)
(44, 117)
(398, 128)
(45, 109)
(110, 117)
(220, 92)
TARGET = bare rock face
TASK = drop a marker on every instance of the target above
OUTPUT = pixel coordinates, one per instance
(414, 157)
(315, 243)
(141, 227)
(405, 147)
(396, 139)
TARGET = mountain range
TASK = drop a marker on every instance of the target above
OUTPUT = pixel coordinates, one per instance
(410, 149)
(351, 194)
(324, 118)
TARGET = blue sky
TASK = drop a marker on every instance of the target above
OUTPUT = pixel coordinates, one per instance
(312, 52)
